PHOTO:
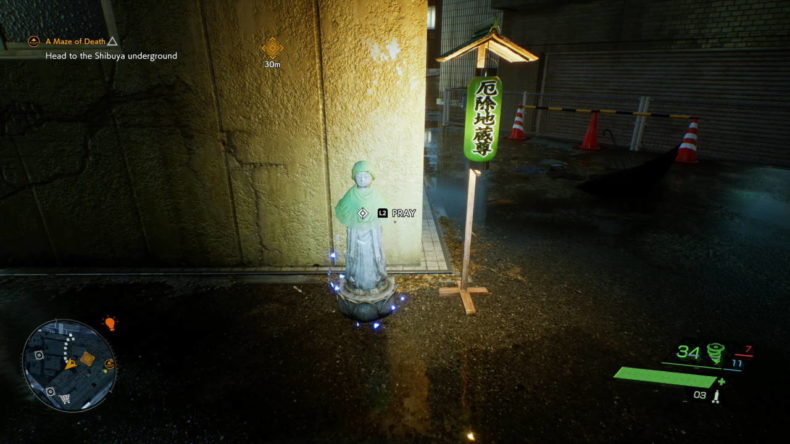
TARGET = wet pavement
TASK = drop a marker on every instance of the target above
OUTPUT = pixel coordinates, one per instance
(579, 286)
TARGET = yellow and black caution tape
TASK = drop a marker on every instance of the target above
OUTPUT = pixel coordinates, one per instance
(612, 111)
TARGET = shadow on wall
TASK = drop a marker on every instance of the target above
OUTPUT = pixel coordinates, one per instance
(93, 174)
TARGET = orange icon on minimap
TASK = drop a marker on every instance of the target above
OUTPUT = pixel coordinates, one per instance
(110, 323)
(87, 358)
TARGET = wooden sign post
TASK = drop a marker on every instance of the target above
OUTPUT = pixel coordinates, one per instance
(462, 286)
(481, 135)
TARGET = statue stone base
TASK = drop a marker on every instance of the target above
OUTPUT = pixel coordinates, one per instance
(366, 305)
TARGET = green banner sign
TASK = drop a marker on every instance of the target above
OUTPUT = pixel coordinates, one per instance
(483, 113)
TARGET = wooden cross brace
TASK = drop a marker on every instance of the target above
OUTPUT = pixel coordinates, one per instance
(466, 295)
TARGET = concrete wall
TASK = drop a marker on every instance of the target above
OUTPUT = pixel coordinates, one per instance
(375, 106)
(433, 48)
(603, 25)
(213, 159)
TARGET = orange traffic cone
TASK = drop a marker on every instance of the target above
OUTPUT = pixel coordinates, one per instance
(688, 149)
(590, 142)
(518, 126)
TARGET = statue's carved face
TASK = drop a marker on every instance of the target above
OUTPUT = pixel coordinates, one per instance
(363, 179)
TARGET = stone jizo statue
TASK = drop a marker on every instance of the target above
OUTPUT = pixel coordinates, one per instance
(366, 292)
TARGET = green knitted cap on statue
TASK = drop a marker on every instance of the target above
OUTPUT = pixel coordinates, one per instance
(361, 167)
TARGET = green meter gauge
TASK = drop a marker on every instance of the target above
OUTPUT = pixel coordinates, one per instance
(704, 369)
(710, 355)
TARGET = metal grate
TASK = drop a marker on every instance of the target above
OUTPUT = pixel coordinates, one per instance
(741, 96)
(460, 20)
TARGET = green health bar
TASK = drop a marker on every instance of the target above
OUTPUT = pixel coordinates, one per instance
(662, 377)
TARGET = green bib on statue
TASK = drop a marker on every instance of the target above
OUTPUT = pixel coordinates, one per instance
(359, 206)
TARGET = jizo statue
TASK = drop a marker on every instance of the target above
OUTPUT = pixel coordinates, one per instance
(366, 292)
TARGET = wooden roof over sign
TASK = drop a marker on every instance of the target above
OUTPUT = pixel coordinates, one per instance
(494, 42)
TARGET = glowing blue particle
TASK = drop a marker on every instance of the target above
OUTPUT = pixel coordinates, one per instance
(332, 255)
(376, 325)
(342, 276)
(356, 324)
(402, 297)
(392, 307)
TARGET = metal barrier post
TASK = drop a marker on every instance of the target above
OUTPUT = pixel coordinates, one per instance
(446, 107)
(639, 124)
(539, 115)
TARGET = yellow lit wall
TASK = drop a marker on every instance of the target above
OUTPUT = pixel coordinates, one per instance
(214, 159)
(374, 59)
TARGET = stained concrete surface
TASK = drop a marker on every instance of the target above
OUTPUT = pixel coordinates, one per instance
(212, 159)
(579, 287)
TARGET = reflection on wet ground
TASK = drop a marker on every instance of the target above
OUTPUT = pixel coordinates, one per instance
(580, 285)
